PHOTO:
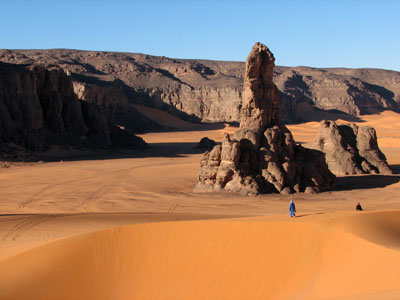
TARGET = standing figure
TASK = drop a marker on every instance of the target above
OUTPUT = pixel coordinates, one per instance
(292, 209)
(358, 207)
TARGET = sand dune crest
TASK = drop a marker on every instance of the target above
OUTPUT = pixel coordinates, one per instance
(314, 257)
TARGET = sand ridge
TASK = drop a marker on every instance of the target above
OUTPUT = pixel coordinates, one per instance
(247, 258)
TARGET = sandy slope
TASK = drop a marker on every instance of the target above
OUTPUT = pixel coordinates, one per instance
(163, 118)
(329, 252)
(322, 256)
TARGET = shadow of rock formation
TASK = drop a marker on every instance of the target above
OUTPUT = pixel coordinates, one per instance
(347, 183)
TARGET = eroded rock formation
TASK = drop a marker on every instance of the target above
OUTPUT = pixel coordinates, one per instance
(351, 149)
(205, 90)
(262, 156)
(38, 109)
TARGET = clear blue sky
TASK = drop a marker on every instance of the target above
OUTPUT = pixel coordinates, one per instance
(310, 33)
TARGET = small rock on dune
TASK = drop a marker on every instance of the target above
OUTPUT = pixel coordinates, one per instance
(206, 143)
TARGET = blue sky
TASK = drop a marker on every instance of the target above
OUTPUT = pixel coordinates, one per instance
(309, 33)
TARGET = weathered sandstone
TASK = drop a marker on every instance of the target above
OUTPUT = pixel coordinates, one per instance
(211, 91)
(351, 149)
(38, 109)
(262, 156)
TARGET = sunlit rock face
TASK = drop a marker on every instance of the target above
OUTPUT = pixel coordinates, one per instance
(262, 156)
(351, 149)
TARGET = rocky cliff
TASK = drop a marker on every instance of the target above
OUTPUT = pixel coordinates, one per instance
(202, 90)
(39, 108)
(353, 92)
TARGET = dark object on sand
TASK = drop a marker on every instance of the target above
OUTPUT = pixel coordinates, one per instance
(206, 143)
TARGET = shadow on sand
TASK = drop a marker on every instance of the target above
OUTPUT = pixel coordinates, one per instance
(153, 150)
(306, 215)
(314, 114)
(395, 168)
(347, 183)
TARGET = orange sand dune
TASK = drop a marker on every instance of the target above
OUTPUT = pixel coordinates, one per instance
(320, 256)
(51, 214)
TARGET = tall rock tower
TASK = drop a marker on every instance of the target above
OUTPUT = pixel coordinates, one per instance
(262, 156)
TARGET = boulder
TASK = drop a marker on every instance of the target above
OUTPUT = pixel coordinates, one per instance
(206, 143)
(351, 149)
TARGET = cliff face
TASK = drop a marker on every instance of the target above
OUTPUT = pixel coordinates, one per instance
(188, 89)
(202, 90)
(208, 91)
(39, 108)
(346, 91)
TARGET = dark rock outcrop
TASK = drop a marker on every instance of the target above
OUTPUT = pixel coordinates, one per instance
(351, 149)
(38, 109)
(262, 156)
(206, 144)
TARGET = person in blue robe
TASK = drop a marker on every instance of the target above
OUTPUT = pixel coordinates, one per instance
(292, 209)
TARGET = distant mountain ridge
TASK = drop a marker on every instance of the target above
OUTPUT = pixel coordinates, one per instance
(193, 90)
(206, 90)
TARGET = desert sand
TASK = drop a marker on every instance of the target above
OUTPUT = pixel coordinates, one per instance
(130, 227)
